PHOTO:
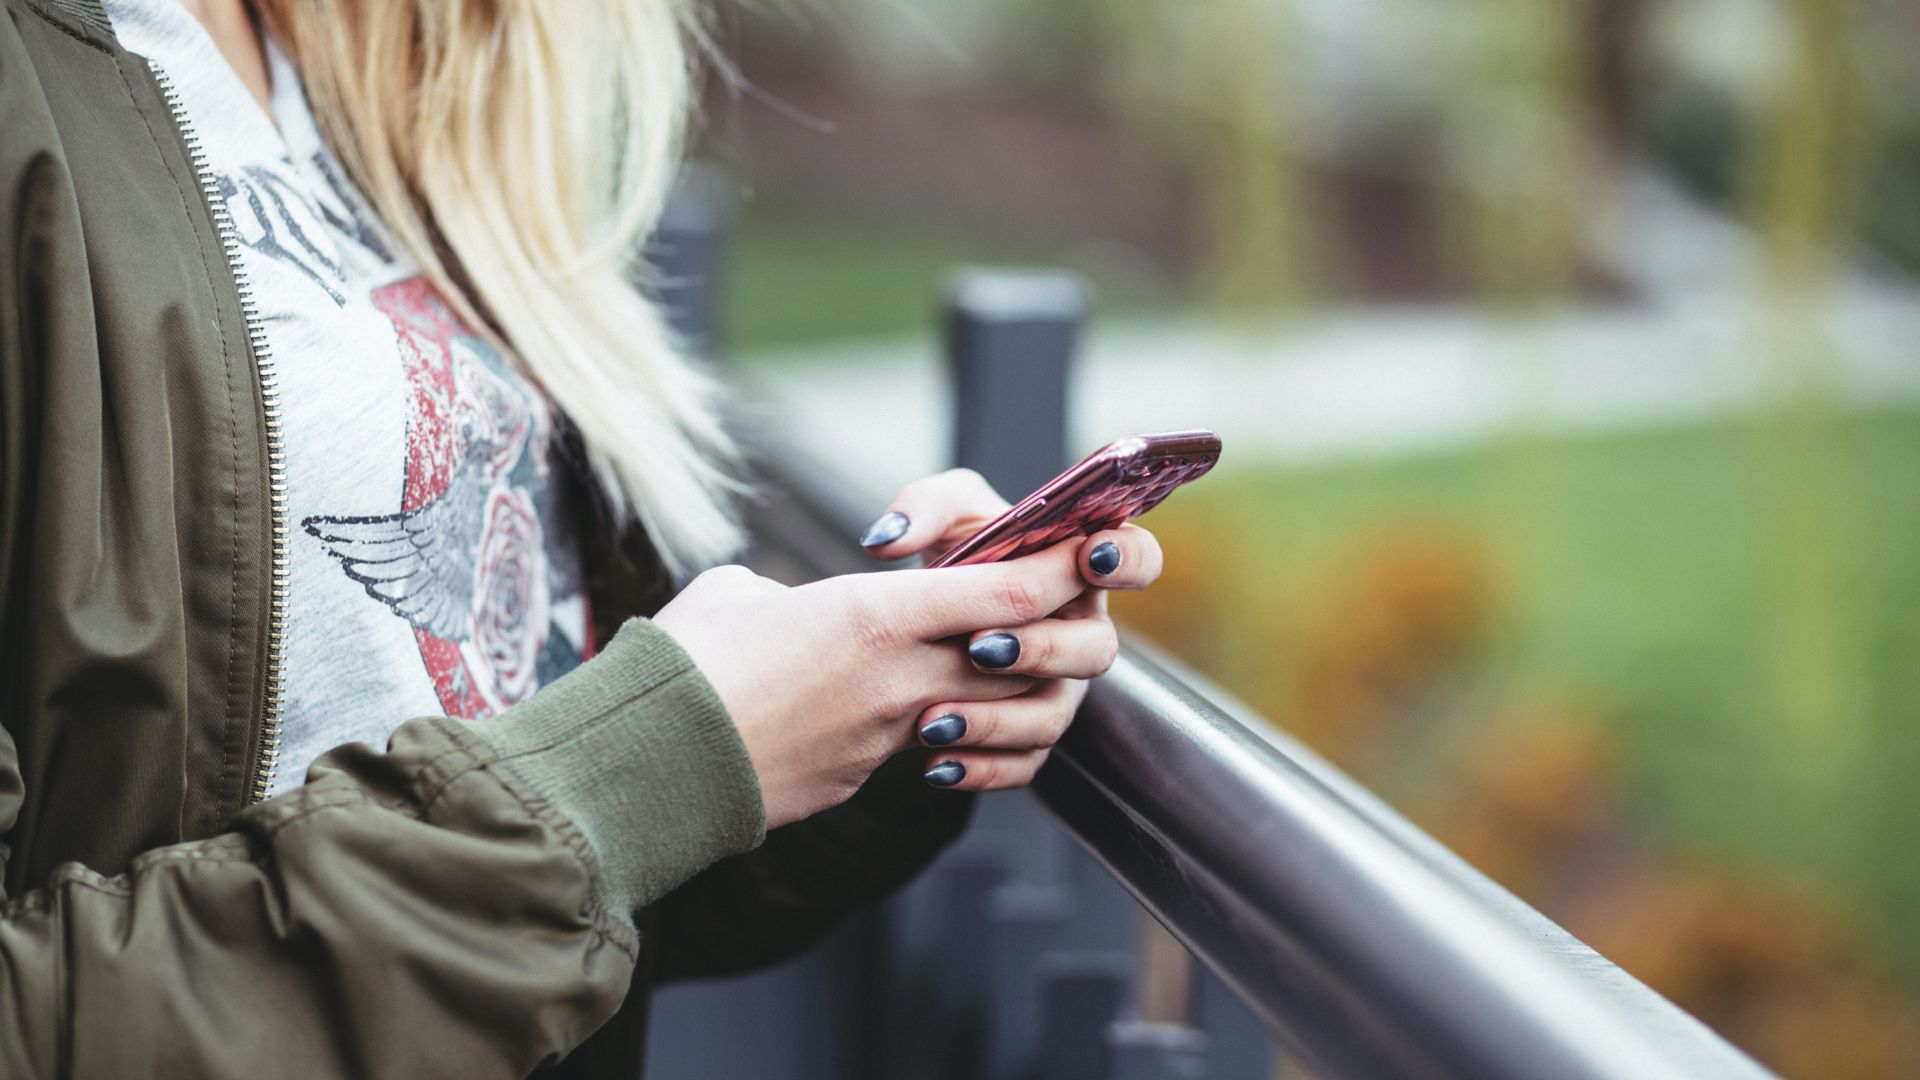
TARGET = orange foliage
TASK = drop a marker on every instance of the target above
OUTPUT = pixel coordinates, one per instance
(1766, 963)
(1395, 613)
(1535, 794)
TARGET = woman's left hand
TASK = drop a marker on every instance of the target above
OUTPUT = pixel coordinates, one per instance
(984, 746)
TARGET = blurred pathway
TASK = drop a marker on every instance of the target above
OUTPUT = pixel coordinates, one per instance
(1386, 381)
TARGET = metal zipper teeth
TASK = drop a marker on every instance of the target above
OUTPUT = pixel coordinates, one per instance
(268, 762)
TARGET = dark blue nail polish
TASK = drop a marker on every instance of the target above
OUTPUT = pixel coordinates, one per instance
(945, 774)
(1104, 559)
(891, 526)
(995, 651)
(945, 730)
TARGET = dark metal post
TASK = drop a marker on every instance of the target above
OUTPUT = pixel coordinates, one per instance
(1059, 953)
(1011, 339)
(1064, 938)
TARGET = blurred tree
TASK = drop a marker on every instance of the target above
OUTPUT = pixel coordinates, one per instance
(1519, 146)
(1206, 87)
(1810, 138)
(1522, 144)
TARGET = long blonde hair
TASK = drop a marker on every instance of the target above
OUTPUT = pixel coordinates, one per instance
(521, 151)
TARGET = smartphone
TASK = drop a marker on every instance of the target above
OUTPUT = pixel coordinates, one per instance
(1115, 484)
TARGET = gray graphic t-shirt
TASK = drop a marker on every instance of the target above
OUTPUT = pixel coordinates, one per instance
(429, 571)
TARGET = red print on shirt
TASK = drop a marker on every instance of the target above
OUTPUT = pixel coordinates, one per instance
(465, 559)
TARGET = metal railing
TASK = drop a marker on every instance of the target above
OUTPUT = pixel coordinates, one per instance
(1364, 947)
(1368, 948)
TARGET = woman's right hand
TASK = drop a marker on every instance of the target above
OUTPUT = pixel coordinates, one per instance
(824, 680)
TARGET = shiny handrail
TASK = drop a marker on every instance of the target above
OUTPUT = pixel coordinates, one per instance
(1369, 949)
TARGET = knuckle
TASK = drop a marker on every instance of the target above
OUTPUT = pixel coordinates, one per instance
(983, 727)
(969, 489)
(872, 636)
(915, 490)
(1018, 598)
(890, 695)
(984, 772)
(866, 623)
(1040, 652)
(965, 477)
(981, 487)
(730, 575)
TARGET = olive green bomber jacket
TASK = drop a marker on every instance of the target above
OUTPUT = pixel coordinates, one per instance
(423, 911)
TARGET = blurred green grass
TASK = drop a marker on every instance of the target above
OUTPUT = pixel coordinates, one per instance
(802, 276)
(1636, 572)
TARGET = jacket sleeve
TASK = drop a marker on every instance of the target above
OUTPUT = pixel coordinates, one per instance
(426, 911)
(763, 906)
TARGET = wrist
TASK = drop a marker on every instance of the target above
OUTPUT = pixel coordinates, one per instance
(639, 752)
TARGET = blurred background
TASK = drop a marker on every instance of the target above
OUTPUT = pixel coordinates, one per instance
(1567, 358)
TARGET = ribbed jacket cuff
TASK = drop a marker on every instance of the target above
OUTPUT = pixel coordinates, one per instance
(635, 748)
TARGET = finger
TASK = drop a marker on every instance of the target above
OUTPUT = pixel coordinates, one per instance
(1048, 649)
(932, 604)
(1091, 604)
(1031, 721)
(1124, 558)
(947, 674)
(946, 506)
(937, 673)
(983, 770)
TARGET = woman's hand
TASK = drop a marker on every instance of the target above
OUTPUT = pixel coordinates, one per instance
(1001, 741)
(824, 680)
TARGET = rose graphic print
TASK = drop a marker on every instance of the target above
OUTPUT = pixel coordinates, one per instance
(465, 561)
(509, 613)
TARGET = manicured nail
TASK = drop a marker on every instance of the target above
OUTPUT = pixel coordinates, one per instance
(945, 774)
(995, 651)
(947, 729)
(1104, 559)
(891, 526)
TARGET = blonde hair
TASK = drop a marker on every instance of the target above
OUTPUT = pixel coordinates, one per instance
(521, 151)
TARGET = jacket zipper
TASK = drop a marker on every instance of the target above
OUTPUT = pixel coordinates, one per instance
(268, 760)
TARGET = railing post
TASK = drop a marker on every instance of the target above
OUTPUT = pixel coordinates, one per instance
(1011, 339)
(1065, 942)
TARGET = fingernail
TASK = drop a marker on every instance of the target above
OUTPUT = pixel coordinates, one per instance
(891, 526)
(1104, 559)
(995, 651)
(945, 774)
(947, 729)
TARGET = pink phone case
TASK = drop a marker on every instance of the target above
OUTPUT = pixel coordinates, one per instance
(1115, 484)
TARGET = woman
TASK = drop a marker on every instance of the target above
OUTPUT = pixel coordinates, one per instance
(325, 404)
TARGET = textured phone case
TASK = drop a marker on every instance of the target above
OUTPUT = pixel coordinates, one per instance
(1110, 487)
